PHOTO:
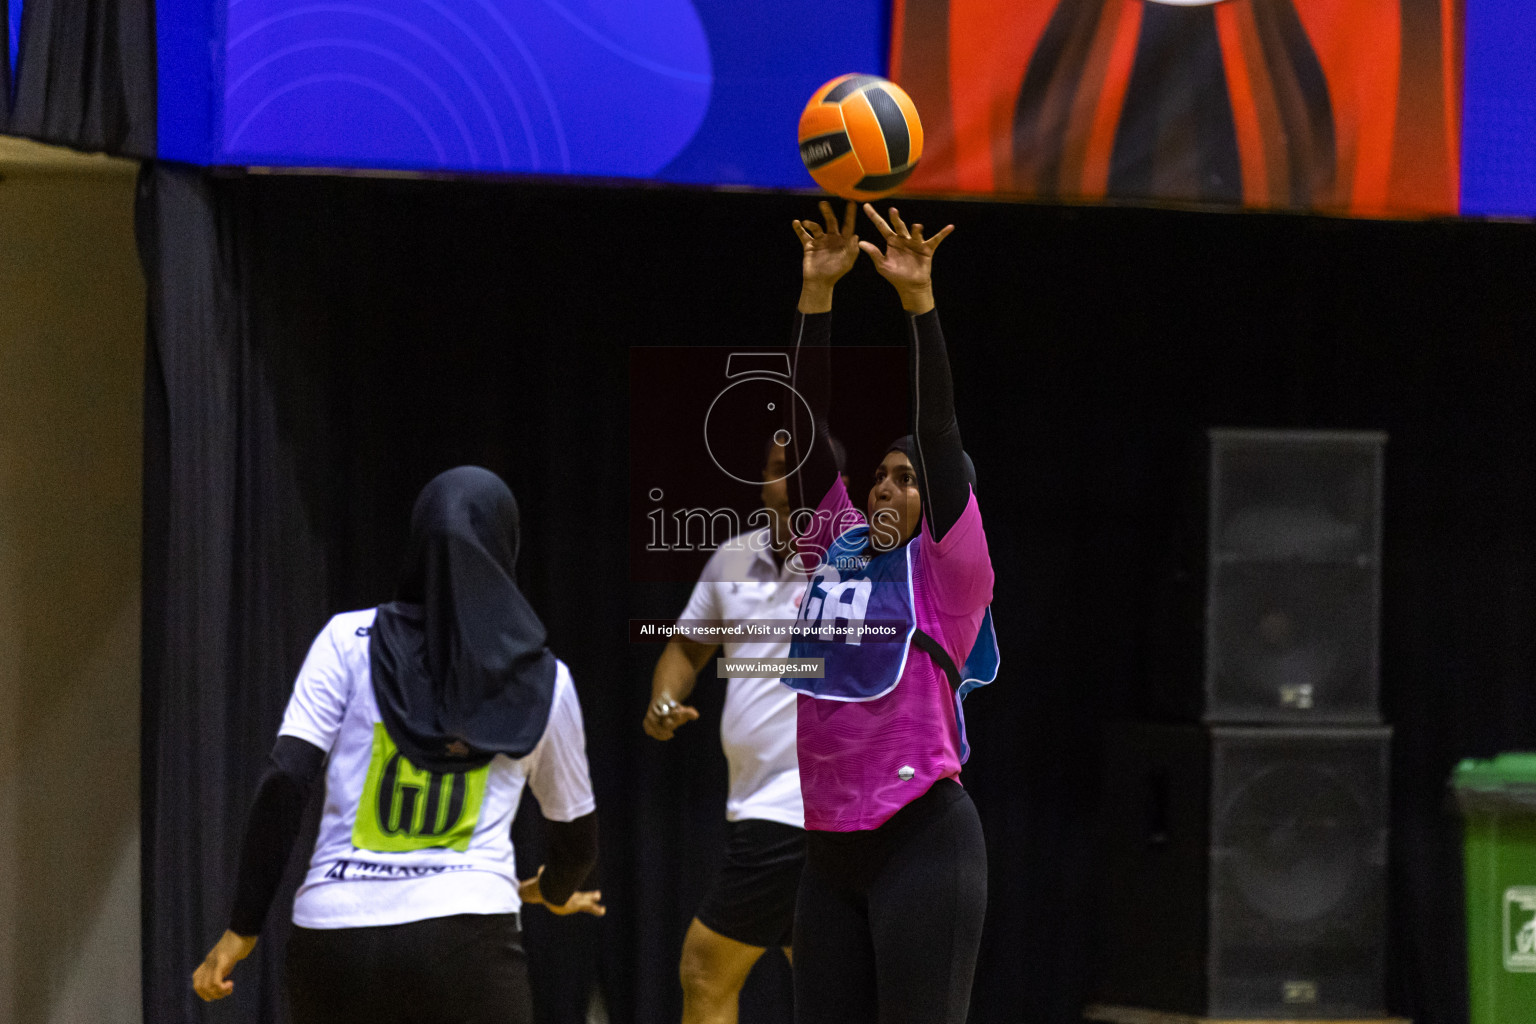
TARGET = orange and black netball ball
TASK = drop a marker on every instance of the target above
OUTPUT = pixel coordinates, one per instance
(860, 136)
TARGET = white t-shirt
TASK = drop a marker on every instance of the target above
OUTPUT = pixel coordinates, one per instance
(395, 843)
(757, 729)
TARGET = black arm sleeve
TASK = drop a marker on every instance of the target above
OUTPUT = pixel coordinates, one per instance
(813, 382)
(940, 462)
(276, 816)
(572, 856)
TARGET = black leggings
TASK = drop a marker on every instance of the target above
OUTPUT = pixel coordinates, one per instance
(888, 921)
(464, 969)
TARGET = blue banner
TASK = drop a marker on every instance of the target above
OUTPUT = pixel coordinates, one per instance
(696, 91)
(13, 38)
(1498, 139)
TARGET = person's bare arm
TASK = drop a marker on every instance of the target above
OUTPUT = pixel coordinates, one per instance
(672, 683)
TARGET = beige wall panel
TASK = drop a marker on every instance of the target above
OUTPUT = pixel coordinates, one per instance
(71, 423)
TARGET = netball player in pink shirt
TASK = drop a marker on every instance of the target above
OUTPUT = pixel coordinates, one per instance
(894, 889)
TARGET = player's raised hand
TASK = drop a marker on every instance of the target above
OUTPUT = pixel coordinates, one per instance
(828, 249)
(907, 261)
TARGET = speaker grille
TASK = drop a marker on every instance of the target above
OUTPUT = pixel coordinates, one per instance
(1298, 868)
(1295, 496)
(1294, 833)
(1293, 576)
(1246, 870)
(1291, 639)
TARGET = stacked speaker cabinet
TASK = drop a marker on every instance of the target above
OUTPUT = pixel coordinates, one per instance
(1272, 614)
(1246, 835)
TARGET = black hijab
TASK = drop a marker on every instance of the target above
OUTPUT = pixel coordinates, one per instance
(907, 445)
(460, 670)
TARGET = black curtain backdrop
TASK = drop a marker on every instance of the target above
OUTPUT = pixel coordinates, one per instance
(85, 75)
(321, 346)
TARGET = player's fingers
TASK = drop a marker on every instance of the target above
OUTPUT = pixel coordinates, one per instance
(813, 228)
(933, 243)
(899, 224)
(800, 232)
(579, 903)
(917, 232)
(885, 229)
(828, 217)
(848, 217)
(873, 250)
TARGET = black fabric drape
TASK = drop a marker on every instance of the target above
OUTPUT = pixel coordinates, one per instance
(224, 614)
(322, 346)
(85, 75)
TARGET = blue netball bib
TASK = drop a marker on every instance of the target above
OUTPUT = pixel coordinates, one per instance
(848, 590)
(852, 588)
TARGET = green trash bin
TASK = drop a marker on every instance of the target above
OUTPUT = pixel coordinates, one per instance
(1498, 804)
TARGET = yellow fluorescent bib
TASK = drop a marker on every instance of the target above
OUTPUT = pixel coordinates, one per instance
(404, 808)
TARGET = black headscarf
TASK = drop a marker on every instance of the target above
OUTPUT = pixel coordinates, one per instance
(460, 670)
(907, 445)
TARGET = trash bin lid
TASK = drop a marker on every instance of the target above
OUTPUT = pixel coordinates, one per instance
(1512, 769)
(1505, 785)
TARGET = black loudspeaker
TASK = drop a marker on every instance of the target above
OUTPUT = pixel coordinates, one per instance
(1245, 870)
(1276, 607)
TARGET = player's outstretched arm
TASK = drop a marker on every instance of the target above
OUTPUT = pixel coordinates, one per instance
(907, 263)
(827, 252)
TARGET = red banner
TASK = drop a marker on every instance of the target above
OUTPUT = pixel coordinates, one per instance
(1349, 106)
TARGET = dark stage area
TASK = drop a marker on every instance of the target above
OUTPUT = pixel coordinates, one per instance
(321, 346)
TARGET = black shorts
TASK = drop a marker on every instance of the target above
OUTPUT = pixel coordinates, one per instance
(464, 969)
(752, 898)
